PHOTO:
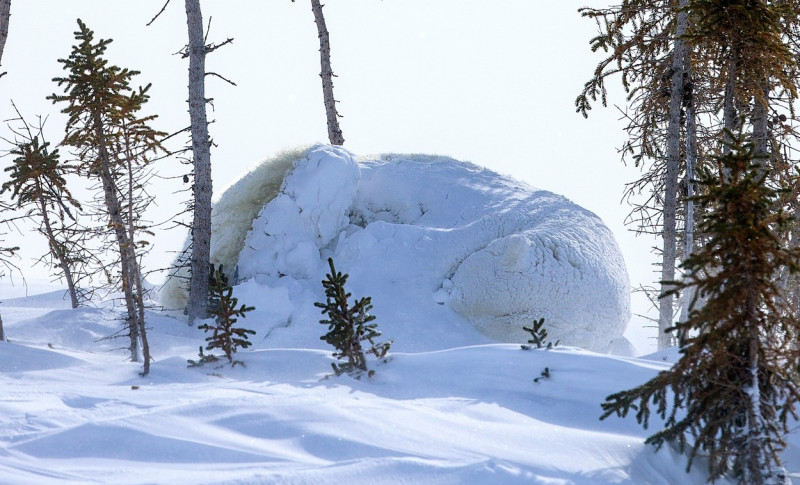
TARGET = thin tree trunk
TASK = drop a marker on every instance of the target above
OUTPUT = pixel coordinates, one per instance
(691, 162)
(761, 138)
(5, 15)
(754, 469)
(2, 331)
(729, 116)
(334, 132)
(201, 155)
(669, 255)
(127, 262)
(56, 251)
(136, 274)
(139, 296)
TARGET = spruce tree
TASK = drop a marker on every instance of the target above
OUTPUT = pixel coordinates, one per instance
(37, 183)
(348, 326)
(538, 336)
(110, 139)
(692, 68)
(729, 396)
(226, 311)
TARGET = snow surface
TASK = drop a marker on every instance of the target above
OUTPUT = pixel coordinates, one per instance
(73, 410)
(424, 235)
(448, 406)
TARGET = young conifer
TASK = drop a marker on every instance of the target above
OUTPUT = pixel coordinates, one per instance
(348, 326)
(111, 140)
(37, 183)
(226, 310)
(730, 394)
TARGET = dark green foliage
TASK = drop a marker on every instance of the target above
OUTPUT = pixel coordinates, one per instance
(37, 173)
(349, 326)
(730, 394)
(37, 183)
(224, 335)
(538, 336)
(114, 146)
(203, 360)
(544, 375)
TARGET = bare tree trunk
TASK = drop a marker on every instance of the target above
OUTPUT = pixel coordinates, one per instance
(126, 251)
(201, 155)
(136, 272)
(729, 115)
(754, 469)
(5, 15)
(691, 162)
(761, 138)
(139, 298)
(58, 253)
(2, 331)
(334, 132)
(669, 255)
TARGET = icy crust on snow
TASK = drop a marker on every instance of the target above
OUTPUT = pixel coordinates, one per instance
(425, 231)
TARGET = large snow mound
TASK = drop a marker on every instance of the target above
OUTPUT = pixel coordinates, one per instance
(427, 235)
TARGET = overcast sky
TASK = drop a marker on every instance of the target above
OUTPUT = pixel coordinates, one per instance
(488, 82)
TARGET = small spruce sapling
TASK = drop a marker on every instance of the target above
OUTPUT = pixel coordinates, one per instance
(544, 375)
(539, 339)
(349, 326)
(203, 360)
(224, 308)
(539, 336)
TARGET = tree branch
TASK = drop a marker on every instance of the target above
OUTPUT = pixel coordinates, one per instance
(221, 77)
(158, 14)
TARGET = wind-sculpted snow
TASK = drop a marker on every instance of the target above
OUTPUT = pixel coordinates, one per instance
(469, 415)
(429, 235)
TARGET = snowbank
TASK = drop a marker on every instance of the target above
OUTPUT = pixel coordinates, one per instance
(427, 235)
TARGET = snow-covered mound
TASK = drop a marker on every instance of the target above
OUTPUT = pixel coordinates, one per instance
(427, 235)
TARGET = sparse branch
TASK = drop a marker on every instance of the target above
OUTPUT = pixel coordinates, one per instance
(221, 77)
(158, 14)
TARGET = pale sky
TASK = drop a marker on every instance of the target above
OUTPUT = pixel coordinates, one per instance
(488, 82)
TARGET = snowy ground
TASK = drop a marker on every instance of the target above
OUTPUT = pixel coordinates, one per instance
(449, 406)
(72, 410)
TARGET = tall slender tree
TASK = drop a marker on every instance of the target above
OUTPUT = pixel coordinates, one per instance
(334, 131)
(196, 51)
(731, 393)
(694, 70)
(102, 107)
(645, 44)
(201, 156)
(37, 182)
(680, 58)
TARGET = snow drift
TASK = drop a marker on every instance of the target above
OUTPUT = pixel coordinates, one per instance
(460, 238)
(73, 411)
